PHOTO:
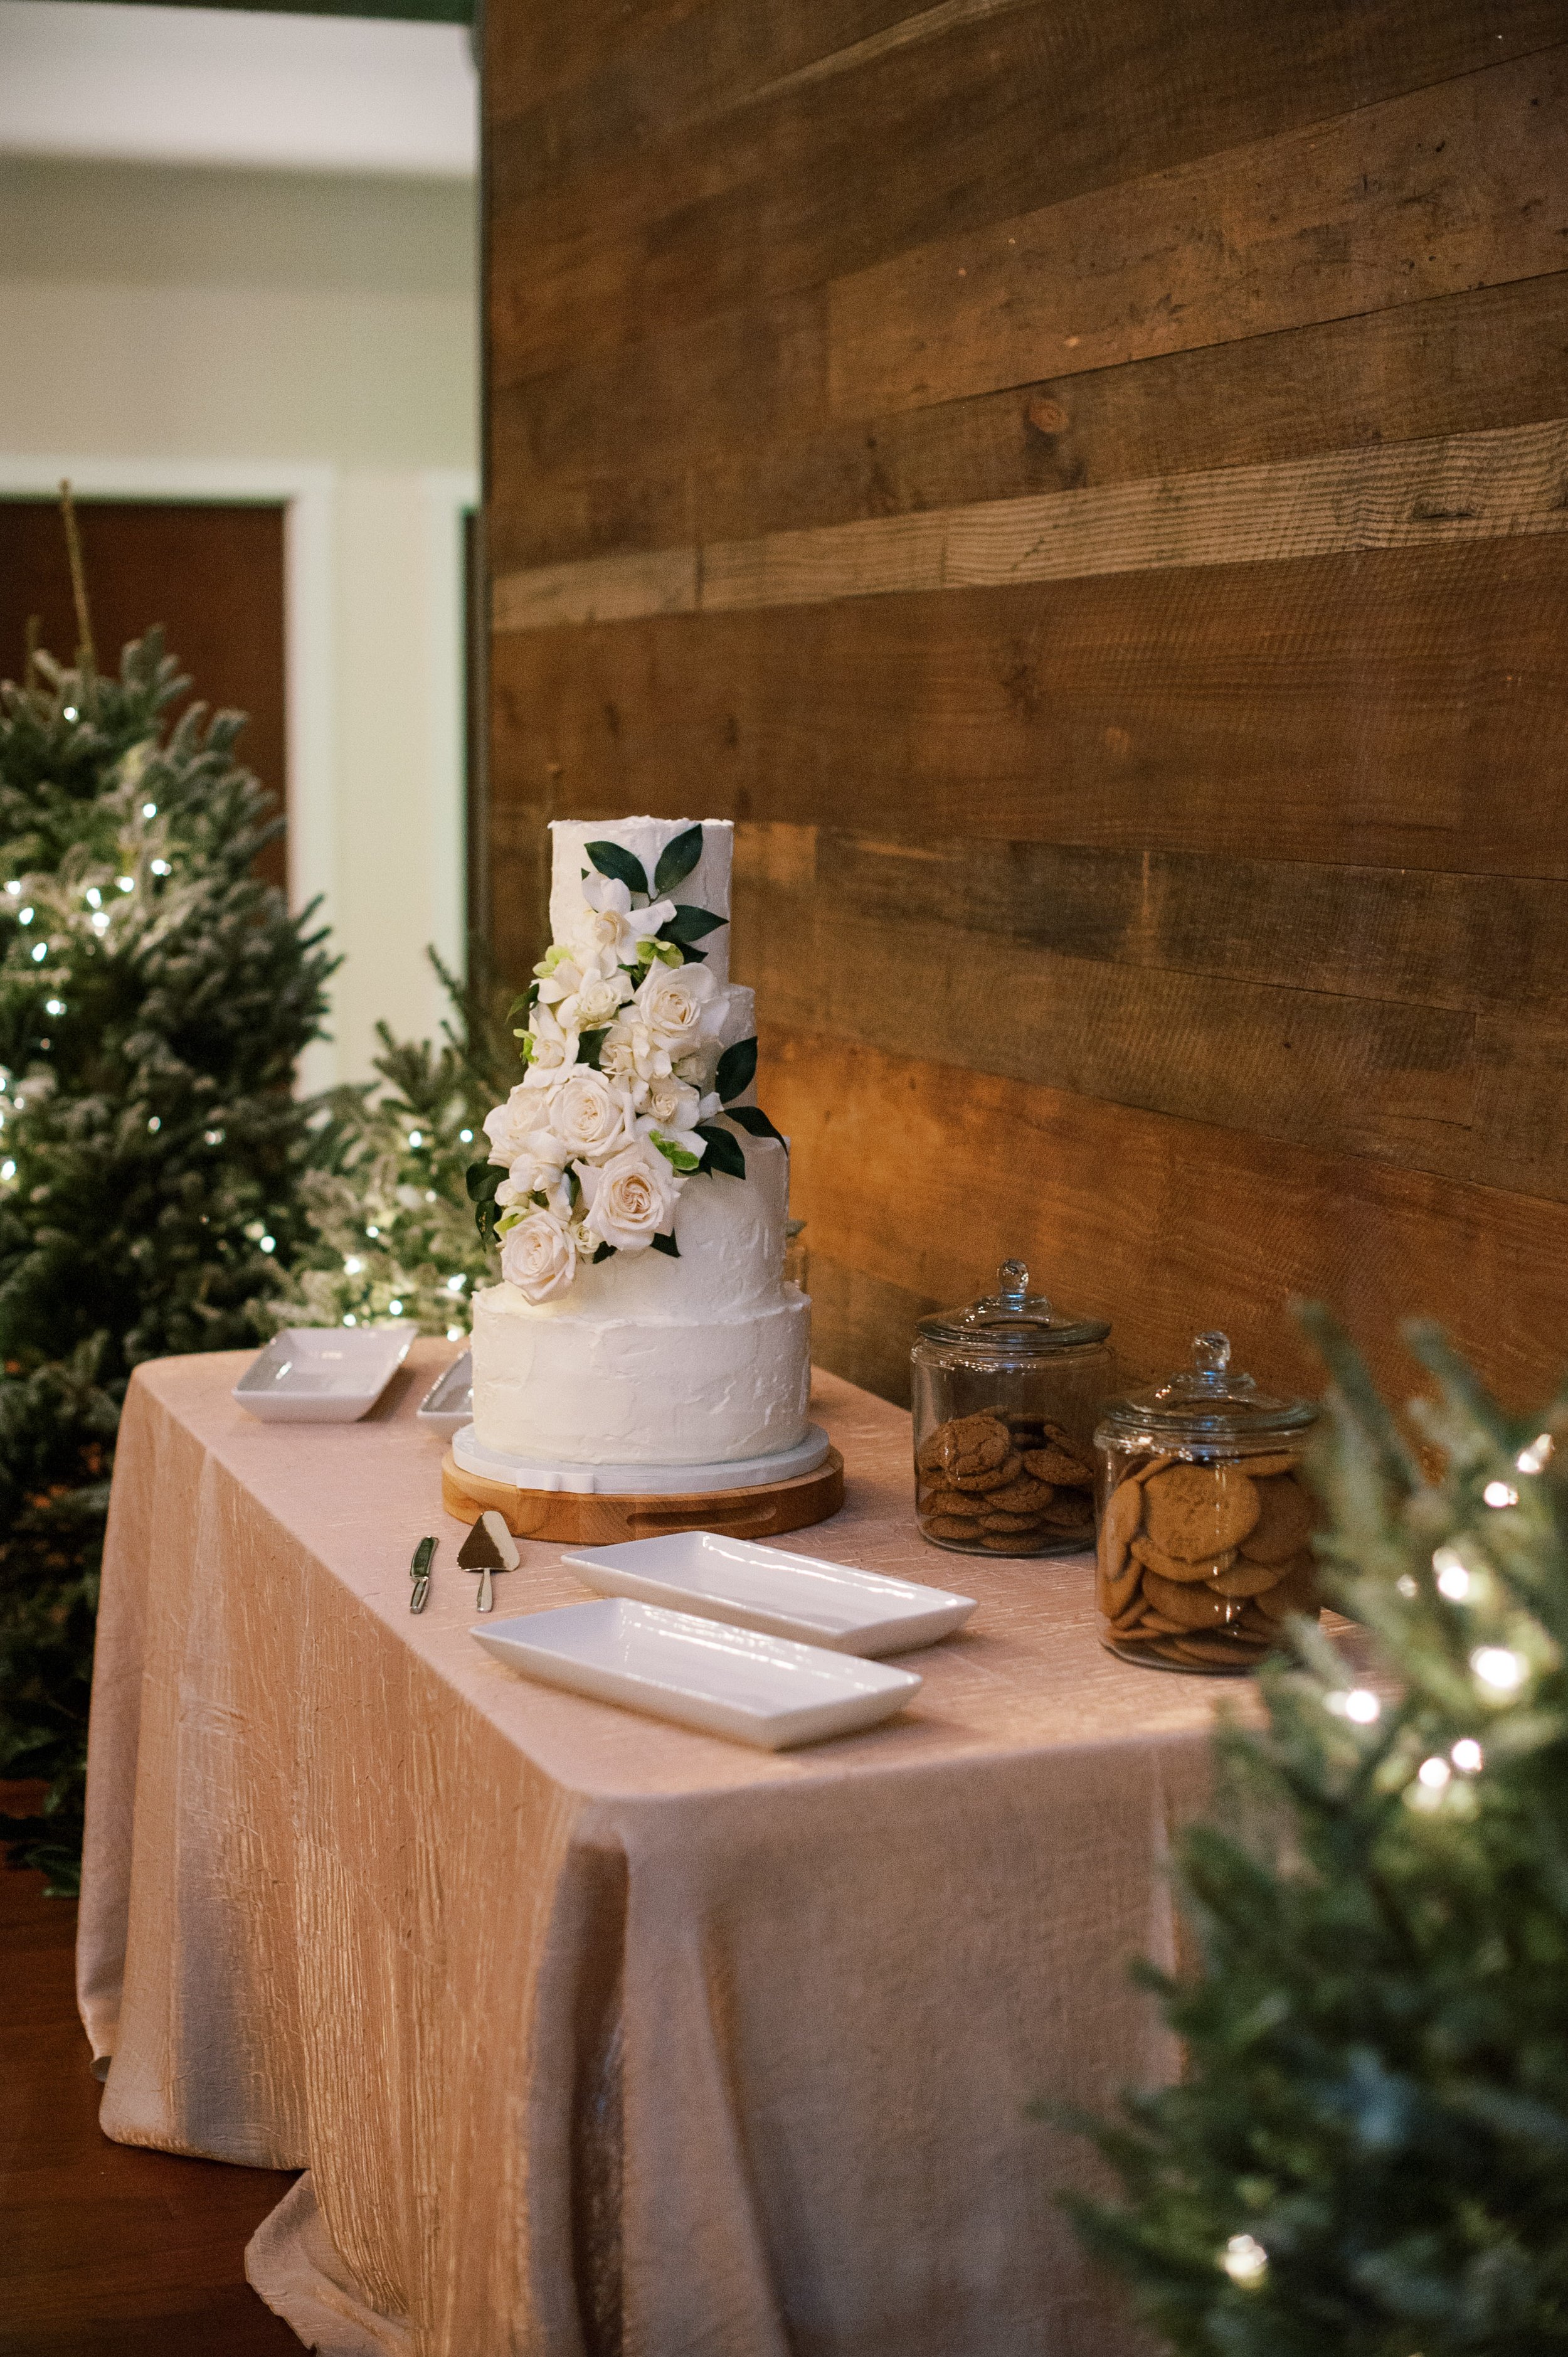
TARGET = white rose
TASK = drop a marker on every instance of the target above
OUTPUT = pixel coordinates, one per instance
(591, 1116)
(538, 1257)
(632, 1053)
(554, 1049)
(630, 1199)
(678, 1007)
(670, 1103)
(512, 1127)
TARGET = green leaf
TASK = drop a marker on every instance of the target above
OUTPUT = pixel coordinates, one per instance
(611, 859)
(668, 1246)
(481, 1179)
(724, 1151)
(588, 1045)
(688, 924)
(678, 1157)
(738, 1070)
(573, 1188)
(676, 861)
(604, 1252)
(752, 1119)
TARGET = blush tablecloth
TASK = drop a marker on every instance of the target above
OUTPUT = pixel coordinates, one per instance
(594, 2034)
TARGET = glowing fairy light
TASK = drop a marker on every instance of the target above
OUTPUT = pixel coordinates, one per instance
(1499, 1668)
(1528, 1461)
(1501, 1494)
(1360, 1705)
(1245, 2261)
(1467, 1756)
(1435, 1774)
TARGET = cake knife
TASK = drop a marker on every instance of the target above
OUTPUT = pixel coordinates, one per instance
(419, 1572)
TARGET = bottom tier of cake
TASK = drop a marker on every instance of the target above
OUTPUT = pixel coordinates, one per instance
(624, 1391)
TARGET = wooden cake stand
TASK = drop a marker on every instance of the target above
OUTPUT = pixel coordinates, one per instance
(601, 1518)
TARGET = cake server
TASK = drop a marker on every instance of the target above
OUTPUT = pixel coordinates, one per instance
(489, 1547)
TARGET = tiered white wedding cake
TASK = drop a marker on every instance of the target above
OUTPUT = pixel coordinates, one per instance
(639, 1194)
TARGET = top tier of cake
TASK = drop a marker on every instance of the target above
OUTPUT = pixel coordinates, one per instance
(707, 885)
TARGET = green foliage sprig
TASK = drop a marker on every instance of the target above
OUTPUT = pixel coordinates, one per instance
(1368, 2153)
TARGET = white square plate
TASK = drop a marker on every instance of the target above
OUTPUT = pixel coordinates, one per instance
(799, 1595)
(448, 1405)
(732, 1682)
(321, 1374)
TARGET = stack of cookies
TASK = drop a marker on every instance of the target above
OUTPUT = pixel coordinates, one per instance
(996, 1484)
(1199, 1563)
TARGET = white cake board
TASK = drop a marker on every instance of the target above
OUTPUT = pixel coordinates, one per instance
(642, 1480)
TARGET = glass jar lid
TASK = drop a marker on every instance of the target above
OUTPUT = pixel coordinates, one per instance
(1013, 1322)
(1210, 1400)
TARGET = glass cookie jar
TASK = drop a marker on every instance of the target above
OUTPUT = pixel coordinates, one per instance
(1204, 1522)
(1005, 1395)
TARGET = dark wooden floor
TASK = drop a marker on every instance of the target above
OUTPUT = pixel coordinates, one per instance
(105, 2252)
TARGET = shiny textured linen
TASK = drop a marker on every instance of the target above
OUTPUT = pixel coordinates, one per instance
(594, 2034)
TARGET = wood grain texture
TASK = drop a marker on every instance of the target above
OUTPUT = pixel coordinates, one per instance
(1414, 372)
(1402, 1082)
(1445, 190)
(1394, 710)
(1500, 485)
(1085, 492)
(995, 115)
(1163, 1225)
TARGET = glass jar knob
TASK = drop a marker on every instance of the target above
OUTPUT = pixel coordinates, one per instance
(1013, 1282)
(1212, 1353)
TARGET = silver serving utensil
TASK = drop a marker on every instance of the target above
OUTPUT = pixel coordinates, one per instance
(489, 1547)
(419, 1572)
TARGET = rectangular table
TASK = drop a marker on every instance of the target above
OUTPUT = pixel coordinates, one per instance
(593, 2033)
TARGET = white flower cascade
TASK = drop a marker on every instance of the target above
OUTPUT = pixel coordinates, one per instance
(600, 1136)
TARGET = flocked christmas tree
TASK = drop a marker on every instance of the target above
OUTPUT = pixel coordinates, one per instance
(154, 996)
(1368, 2153)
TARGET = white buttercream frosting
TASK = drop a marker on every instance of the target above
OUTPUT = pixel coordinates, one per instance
(654, 1361)
(707, 887)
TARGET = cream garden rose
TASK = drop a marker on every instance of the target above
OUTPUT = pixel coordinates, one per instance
(591, 1116)
(538, 1257)
(678, 1007)
(630, 1199)
(554, 1049)
(514, 1128)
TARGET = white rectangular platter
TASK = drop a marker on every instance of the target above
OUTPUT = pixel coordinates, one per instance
(731, 1682)
(783, 1595)
(448, 1405)
(321, 1374)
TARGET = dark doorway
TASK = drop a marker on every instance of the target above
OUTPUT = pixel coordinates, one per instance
(212, 574)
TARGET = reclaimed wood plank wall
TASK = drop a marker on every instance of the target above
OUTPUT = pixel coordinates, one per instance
(1087, 493)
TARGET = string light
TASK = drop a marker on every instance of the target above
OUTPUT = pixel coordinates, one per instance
(161, 867)
(455, 1284)
(416, 1137)
(454, 1333)
(1406, 1585)
(94, 897)
(149, 810)
(69, 712)
(396, 1309)
(101, 921)
(1245, 2261)
(352, 1264)
(24, 916)
(1528, 1461)
(54, 1006)
(349, 1319)
(466, 1135)
(1360, 1705)
(40, 953)
(155, 1124)
(8, 1169)
(372, 1231)
(1499, 1494)
(1435, 1774)
(126, 883)
(268, 1243)
(1500, 1668)
(14, 886)
(1452, 1580)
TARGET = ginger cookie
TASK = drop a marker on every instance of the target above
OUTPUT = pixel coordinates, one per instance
(1246, 1579)
(965, 1445)
(1070, 1509)
(1281, 1528)
(1294, 1591)
(1170, 1567)
(1055, 1463)
(994, 1477)
(1024, 1496)
(947, 1526)
(1217, 1652)
(1196, 1511)
(1189, 1607)
(989, 1521)
(959, 1504)
(1123, 1514)
(1260, 1468)
(1116, 1595)
(1004, 1543)
(1155, 1465)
